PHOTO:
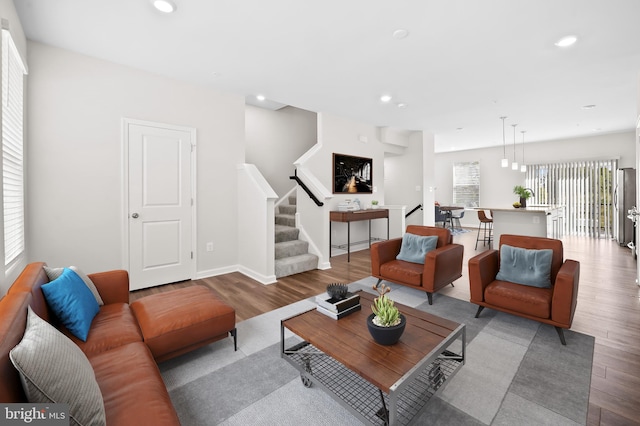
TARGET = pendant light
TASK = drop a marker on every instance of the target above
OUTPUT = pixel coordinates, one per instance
(523, 167)
(514, 165)
(505, 160)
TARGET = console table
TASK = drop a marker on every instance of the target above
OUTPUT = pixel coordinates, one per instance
(354, 216)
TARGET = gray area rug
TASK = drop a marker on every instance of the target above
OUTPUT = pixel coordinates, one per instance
(516, 372)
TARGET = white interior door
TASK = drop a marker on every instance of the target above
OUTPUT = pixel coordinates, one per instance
(159, 204)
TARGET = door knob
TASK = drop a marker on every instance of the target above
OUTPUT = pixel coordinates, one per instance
(134, 215)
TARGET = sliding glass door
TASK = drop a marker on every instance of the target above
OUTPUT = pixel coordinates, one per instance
(584, 188)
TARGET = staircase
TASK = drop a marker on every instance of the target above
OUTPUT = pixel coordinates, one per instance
(292, 254)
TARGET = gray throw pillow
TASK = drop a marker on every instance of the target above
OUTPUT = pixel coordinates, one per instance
(53, 273)
(415, 247)
(54, 370)
(525, 266)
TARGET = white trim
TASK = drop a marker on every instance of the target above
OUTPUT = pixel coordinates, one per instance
(262, 279)
(125, 123)
(286, 196)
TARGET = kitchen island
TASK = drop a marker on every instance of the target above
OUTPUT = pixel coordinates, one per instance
(535, 220)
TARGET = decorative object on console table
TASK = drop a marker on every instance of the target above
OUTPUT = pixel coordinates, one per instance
(374, 204)
(386, 324)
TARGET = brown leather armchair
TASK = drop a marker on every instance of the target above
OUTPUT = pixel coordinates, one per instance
(441, 266)
(555, 305)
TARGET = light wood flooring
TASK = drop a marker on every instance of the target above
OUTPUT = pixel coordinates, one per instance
(608, 308)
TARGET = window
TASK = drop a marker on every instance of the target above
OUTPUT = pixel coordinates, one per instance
(13, 72)
(584, 188)
(466, 184)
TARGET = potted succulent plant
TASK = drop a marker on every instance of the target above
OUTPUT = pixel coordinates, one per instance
(386, 324)
(523, 193)
(374, 204)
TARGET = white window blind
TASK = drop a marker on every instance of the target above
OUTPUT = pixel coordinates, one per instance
(584, 188)
(466, 184)
(13, 72)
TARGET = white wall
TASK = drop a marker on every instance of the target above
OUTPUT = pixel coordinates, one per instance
(496, 183)
(343, 136)
(9, 16)
(403, 175)
(275, 139)
(256, 217)
(75, 107)
(8, 13)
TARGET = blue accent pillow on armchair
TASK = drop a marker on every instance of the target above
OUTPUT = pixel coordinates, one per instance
(525, 266)
(72, 302)
(415, 247)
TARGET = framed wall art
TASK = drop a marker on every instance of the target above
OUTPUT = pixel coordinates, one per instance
(352, 175)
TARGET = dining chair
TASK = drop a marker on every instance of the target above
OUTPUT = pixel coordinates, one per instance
(455, 219)
(441, 216)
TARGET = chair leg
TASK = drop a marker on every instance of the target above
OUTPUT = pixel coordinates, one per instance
(480, 308)
(234, 333)
(378, 283)
(561, 335)
(430, 297)
(478, 236)
(452, 285)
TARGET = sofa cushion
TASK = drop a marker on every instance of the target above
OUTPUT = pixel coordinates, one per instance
(415, 247)
(528, 300)
(54, 273)
(113, 326)
(525, 266)
(72, 302)
(133, 389)
(54, 370)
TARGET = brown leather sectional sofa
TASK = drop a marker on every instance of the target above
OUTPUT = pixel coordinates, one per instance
(125, 368)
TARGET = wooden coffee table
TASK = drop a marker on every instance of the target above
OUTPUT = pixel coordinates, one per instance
(379, 384)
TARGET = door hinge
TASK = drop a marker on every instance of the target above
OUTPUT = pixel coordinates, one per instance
(192, 255)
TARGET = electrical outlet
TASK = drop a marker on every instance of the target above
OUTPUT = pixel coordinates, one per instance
(209, 246)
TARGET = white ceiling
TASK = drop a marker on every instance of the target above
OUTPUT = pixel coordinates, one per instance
(464, 63)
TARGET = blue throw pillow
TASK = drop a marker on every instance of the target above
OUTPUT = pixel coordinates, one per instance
(72, 302)
(525, 266)
(415, 247)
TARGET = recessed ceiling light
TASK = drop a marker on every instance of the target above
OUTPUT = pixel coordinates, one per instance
(400, 34)
(166, 6)
(385, 98)
(591, 106)
(401, 105)
(459, 128)
(566, 41)
(260, 97)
